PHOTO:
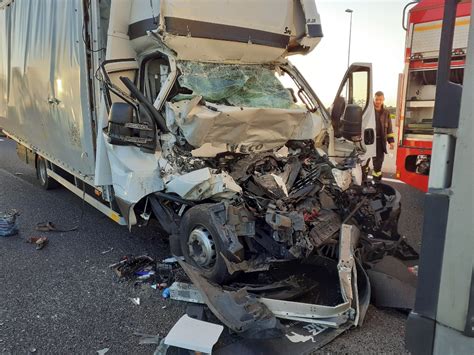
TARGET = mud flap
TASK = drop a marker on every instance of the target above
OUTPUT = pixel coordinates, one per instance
(393, 286)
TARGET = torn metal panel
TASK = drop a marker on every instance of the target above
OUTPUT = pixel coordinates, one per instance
(313, 32)
(135, 174)
(346, 260)
(285, 309)
(333, 322)
(202, 184)
(290, 288)
(249, 130)
(209, 32)
(329, 315)
(126, 210)
(239, 311)
(245, 266)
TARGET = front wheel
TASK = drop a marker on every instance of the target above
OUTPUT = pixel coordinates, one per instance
(201, 245)
(45, 181)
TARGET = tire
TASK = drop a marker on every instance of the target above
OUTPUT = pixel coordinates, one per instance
(195, 226)
(46, 182)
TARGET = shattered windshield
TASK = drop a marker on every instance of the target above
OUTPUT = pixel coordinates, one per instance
(235, 85)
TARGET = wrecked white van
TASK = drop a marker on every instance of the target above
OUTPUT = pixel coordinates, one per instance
(191, 113)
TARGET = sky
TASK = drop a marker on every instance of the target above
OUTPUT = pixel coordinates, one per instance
(377, 38)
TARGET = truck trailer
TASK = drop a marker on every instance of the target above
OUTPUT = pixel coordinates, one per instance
(192, 113)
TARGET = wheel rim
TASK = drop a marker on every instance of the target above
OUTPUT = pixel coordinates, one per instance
(201, 248)
(42, 171)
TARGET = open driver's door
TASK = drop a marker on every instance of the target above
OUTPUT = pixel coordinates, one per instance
(356, 89)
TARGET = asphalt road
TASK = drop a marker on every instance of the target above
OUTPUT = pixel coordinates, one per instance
(65, 299)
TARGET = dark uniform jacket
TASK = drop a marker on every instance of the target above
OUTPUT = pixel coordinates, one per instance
(384, 128)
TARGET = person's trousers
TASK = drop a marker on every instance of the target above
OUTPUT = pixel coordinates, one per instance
(378, 162)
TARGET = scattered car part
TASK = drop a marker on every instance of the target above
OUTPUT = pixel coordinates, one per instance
(231, 307)
(239, 311)
(180, 291)
(171, 260)
(129, 265)
(146, 339)
(135, 301)
(192, 334)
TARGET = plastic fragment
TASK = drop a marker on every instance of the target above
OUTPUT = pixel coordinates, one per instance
(172, 260)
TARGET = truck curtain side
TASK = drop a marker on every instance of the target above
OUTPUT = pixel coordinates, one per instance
(46, 92)
(47, 102)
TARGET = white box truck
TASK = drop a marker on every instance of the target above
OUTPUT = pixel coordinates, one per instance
(191, 113)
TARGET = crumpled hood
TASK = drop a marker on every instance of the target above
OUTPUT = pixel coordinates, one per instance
(238, 129)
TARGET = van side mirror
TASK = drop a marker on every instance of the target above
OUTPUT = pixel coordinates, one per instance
(124, 130)
(120, 114)
(352, 123)
(337, 110)
(369, 136)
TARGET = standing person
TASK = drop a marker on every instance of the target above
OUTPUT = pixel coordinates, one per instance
(383, 127)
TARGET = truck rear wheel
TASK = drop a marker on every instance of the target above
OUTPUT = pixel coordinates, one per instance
(45, 181)
(201, 245)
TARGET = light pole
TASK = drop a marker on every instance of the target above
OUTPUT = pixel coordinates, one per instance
(349, 11)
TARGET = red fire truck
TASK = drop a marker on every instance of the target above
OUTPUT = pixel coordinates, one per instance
(418, 87)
